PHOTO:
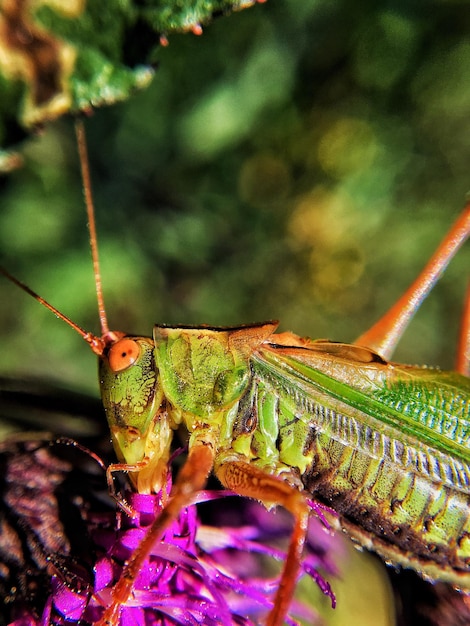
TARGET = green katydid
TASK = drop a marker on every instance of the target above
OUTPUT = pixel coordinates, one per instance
(278, 418)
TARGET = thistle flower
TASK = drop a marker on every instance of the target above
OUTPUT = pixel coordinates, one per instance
(198, 573)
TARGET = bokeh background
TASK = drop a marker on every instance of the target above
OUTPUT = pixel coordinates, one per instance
(298, 161)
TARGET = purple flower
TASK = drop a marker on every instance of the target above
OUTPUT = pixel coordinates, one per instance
(62, 549)
(198, 574)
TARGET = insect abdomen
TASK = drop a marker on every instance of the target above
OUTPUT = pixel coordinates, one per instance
(401, 514)
(395, 494)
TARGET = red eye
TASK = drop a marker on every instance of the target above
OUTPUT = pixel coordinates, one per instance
(123, 354)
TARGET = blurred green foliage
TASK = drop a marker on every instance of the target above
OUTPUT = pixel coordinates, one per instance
(299, 161)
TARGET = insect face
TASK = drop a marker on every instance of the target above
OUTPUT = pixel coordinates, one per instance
(140, 425)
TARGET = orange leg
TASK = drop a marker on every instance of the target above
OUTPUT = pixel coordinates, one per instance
(247, 480)
(119, 499)
(385, 334)
(191, 479)
(463, 357)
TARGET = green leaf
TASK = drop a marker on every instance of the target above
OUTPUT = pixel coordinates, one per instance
(74, 55)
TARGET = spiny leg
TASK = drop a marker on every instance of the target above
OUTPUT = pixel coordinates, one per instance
(191, 479)
(117, 497)
(463, 356)
(247, 480)
(385, 334)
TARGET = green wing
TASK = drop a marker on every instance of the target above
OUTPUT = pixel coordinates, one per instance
(369, 403)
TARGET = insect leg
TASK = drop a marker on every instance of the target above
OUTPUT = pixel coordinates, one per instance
(385, 334)
(191, 479)
(115, 495)
(463, 357)
(247, 480)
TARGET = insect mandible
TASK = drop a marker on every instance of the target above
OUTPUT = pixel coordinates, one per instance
(278, 418)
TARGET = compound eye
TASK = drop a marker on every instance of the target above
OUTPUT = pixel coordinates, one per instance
(123, 354)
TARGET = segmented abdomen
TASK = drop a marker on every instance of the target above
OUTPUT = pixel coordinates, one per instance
(395, 494)
(394, 509)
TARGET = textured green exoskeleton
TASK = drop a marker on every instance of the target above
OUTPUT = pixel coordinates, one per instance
(386, 445)
(279, 418)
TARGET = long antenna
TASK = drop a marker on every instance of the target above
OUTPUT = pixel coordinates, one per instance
(96, 343)
(84, 165)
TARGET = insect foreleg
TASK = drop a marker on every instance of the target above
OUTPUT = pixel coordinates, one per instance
(191, 479)
(117, 497)
(247, 480)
